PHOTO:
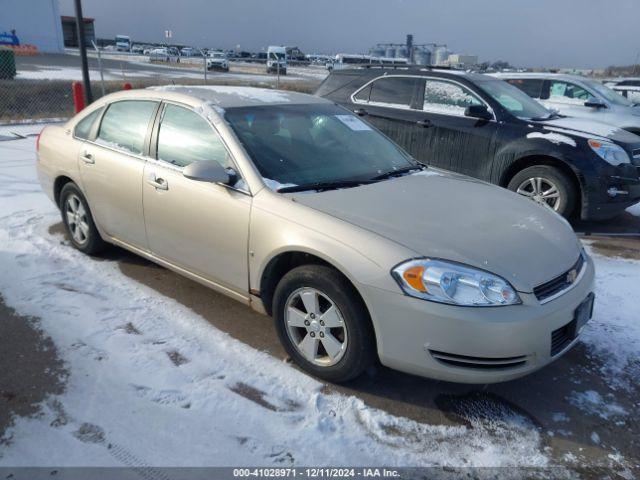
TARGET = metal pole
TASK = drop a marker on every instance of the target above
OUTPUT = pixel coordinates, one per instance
(83, 52)
(204, 61)
(277, 71)
(99, 67)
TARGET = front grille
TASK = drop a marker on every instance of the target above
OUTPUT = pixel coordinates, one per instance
(480, 363)
(562, 337)
(559, 283)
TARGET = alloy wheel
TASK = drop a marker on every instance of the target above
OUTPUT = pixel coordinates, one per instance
(77, 219)
(315, 326)
(541, 190)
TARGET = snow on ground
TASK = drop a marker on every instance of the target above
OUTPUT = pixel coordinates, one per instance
(143, 366)
(153, 383)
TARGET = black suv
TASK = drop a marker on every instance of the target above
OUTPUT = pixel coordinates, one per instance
(483, 127)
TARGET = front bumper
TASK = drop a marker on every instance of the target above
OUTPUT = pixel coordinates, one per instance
(472, 344)
(611, 192)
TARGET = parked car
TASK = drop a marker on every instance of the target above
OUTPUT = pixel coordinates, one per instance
(293, 205)
(485, 128)
(578, 97)
(139, 49)
(629, 88)
(159, 55)
(217, 61)
(188, 52)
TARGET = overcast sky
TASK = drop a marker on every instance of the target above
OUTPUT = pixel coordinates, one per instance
(566, 33)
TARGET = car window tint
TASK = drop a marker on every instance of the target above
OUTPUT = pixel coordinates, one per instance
(568, 93)
(83, 127)
(185, 137)
(393, 91)
(125, 124)
(530, 86)
(447, 98)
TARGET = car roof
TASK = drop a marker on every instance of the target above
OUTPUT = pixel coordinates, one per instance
(376, 71)
(226, 96)
(557, 76)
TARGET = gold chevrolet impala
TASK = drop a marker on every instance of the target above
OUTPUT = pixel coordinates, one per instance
(301, 210)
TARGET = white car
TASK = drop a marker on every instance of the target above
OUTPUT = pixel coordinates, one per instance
(217, 61)
(579, 97)
(188, 52)
(628, 88)
(159, 55)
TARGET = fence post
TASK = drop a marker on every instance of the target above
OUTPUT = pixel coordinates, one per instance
(78, 96)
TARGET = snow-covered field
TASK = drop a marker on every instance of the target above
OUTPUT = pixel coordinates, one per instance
(153, 383)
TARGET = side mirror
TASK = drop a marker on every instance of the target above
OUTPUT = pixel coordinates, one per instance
(595, 103)
(478, 111)
(207, 171)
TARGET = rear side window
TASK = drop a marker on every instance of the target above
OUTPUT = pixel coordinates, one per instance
(124, 125)
(83, 127)
(394, 91)
(447, 98)
(530, 86)
(185, 137)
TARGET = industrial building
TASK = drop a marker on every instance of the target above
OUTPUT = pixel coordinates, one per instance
(459, 60)
(35, 22)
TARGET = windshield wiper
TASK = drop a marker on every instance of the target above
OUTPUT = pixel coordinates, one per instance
(398, 171)
(323, 186)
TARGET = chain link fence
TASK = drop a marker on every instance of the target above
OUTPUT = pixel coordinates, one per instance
(25, 100)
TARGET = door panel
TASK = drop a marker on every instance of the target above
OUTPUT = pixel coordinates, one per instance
(467, 145)
(112, 165)
(112, 183)
(199, 226)
(411, 129)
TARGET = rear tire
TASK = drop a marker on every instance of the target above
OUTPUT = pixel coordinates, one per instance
(332, 340)
(78, 221)
(548, 186)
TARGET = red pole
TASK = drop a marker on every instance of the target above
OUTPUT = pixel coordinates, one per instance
(78, 96)
(127, 86)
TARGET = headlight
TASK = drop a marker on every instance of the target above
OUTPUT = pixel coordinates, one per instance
(609, 152)
(448, 282)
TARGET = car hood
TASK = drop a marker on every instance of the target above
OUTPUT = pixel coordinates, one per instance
(586, 128)
(449, 216)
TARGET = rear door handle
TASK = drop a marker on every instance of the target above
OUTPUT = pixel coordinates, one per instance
(361, 112)
(425, 123)
(158, 183)
(88, 158)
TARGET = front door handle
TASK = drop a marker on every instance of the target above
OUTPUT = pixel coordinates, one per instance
(425, 123)
(361, 112)
(88, 158)
(158, 183)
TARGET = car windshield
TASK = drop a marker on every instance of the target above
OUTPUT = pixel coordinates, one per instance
(314, 143)
(607, 93)
(514, 100)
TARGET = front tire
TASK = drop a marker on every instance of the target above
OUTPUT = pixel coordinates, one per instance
(547, 186)
(323, 324)
(78, 221)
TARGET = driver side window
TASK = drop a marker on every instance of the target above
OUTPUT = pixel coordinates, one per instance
(568, 93)
(447, 98)
(185, 137)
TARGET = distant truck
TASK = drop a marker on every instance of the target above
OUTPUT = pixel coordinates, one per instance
(277, 60)
(123, 43)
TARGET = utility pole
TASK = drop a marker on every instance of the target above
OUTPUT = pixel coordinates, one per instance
(83, 52)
